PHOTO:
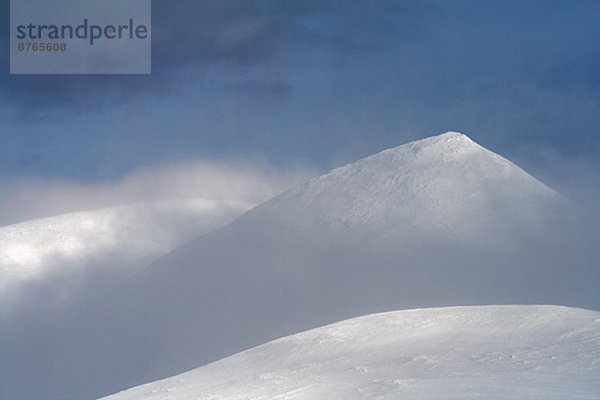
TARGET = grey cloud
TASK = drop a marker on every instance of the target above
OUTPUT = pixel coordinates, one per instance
(185, 33)
(196, 34)
(356, 26)
(211, 31)
(45, 98)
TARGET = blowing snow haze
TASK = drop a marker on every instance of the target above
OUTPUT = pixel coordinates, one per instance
(64, 257)
(436, 222)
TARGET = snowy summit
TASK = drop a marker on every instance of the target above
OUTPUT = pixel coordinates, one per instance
(445, 182)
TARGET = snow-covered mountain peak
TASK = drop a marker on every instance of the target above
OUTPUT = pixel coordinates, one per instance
(435, 148)
(446, 182)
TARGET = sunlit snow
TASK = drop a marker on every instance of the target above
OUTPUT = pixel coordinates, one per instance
(491, 352)
(444, 183)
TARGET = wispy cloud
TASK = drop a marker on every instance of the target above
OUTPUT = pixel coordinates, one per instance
(237, 181)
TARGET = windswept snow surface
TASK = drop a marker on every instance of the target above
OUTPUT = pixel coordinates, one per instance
(67, 247)
(491, 352)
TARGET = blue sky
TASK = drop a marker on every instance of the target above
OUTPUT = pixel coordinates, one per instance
(317, 83)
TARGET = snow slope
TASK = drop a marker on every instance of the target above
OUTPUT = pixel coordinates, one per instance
(492, 352)
(66, 247)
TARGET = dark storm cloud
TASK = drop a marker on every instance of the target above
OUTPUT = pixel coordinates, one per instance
(356, 26)
(229, 31)
(44, 97)
(185, 33)
(196, 34)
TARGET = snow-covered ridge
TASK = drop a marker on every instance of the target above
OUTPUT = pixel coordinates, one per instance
(442, 182)
(127, 235)
(27, 243)
(499, 352)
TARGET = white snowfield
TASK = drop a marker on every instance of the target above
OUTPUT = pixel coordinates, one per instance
(127, 237)
(491, 352)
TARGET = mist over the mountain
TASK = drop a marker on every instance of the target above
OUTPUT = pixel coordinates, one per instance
(66, 258)
(107, 231)
(231, 180)
(437, 222)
